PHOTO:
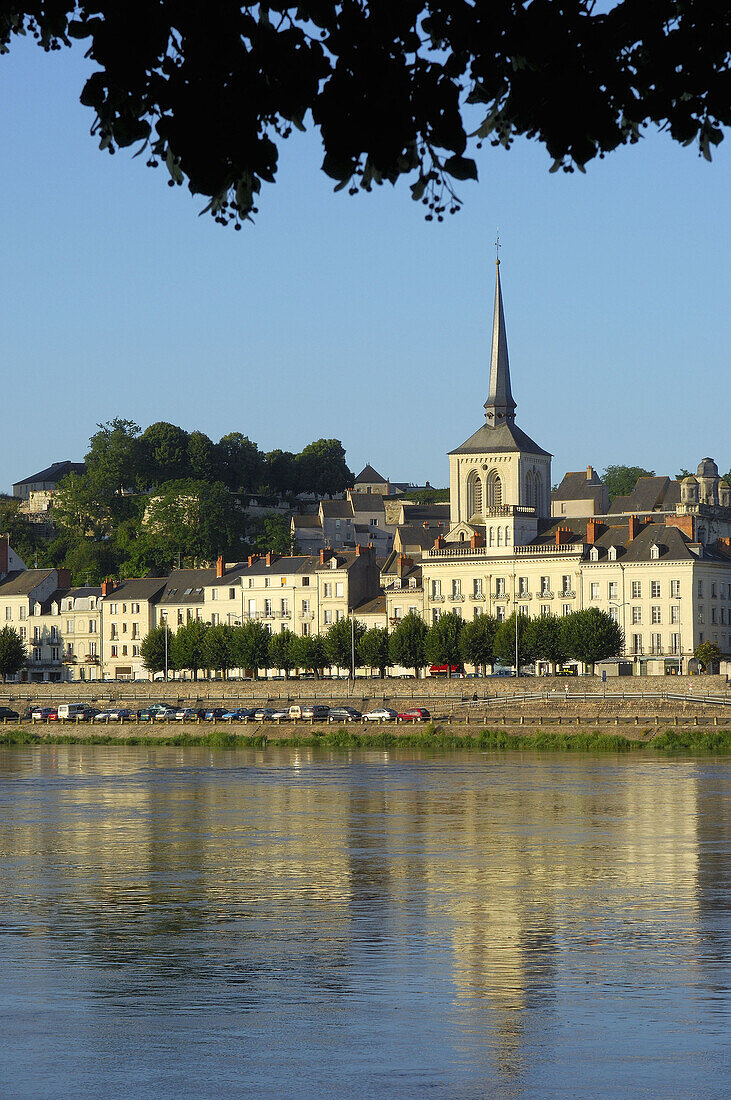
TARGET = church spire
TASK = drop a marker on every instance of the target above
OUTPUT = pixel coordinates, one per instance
(499, 407)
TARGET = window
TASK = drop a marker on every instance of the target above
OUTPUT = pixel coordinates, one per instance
(636, 614)
(674, 613)
(499, 536)
(435, 614)
(180, 617)
(115, 651)
(477, 586)
(545, 585)
(436, 589)
(567, 609)
(566, 584)
(339, 589)
(637, 643)
(92, 649)
(713, 615)
(92, 626)
(214, 593)
(701, 616)
(305, 582)
(36, 634)
(654, 551)
(252, 609)
(636, 590)
(36, 653)
(8, 613)
(545, 609)
(500, 614)
(374, 523)
(124, 607)
(251, 582)
(69, 626)
(327, 590)
(267, 609)
(614, 613)
(124, 650)
(523, 609)
(214, 620)
(285, 607)
(338, 616)
(305, 630)
(328, 617)
(135, 609)
(456, 589)
(675, 588)
(612, 590)
(267, 582)
(500, 586)
(657, 643)
(112, 609)
(55, 654)
(675, 643)
(305, 607)
(282, 582)
(397, 612)
(655, 613)
(594, 590)
(655, 589)
(23, 633)
(522, 586)
(713, 590)
(700, 589)
(23, 612)
(135, 651)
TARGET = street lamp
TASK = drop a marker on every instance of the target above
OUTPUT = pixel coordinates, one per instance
(164, 617)
(680, 639)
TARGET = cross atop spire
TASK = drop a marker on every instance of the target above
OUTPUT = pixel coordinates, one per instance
(499, 407)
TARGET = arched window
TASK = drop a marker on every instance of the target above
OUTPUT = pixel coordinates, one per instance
(494, 490)
(537, 492)
(474, 494)
(507, 536)
(492, 536)
(529, 489)
(461, 536)
(499, 536)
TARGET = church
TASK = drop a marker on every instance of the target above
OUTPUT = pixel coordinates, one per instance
(657, 561)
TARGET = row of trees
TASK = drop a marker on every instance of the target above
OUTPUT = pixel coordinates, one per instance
(121, 457)
(587, 636)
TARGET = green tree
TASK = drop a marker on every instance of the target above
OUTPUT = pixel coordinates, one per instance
(620, 480)
(427, 496)
(707, 654)
(283, 651)
(251, 646)
(281, 471)
(321, 468)
(240, 462)
(442, 641)
(115, 458)
(165, 453)
(392, 88)
(91, 562)
(592, 635)
(218, 649)
(202, 457)
(339, 638)
(189, 646)
(683, 474)
(273, 533)
(12, 652)
(192, 520)
(374, 649)
(406, 645)
(504, 646)
(477, 641)
(310, 654)
(546, 639)
(152, 649)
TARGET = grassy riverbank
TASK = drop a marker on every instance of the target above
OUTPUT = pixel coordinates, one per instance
(430, 737)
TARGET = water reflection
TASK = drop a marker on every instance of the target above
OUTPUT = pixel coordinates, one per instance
(397, 922)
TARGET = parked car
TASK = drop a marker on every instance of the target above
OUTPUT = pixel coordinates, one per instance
(381, 714)
(318, 712)
(44, 714)
(415, 714)
(263, 714)
(213, 714)
(240, 714)
(189, 714)
(344, 714)
(8, 715)
(163, 712)
(280, 715)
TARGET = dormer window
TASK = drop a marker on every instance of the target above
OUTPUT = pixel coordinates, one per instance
(612, 554)
(594, 553)
(654, 551)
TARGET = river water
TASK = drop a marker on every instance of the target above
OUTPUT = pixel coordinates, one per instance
(190, 923)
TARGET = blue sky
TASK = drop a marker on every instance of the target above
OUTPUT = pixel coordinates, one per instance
(353, 317)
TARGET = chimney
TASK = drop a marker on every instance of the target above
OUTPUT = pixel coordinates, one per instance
(723, 546)
(564, 535)
(270, 558)
(107, 587)
(220, 567)
(635, 526)
(589, 473)
(594, 528)
(476, 541)
(252, 559)
(685, 523)
(439, 542)
(64, 578)
(323, 551)
(358, 550)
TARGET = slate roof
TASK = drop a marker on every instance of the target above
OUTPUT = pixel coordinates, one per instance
(336, 509)
(576, 486)
(375, 606)
(55, 472)
(307, 521)
(649, 494)
(185, 586)
(367, 502)
(369, 476)
(137, 588)
(22, 582)
(505, 437)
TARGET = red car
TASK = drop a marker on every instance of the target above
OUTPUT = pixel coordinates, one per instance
(416, 714)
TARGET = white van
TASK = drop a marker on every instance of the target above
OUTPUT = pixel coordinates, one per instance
(69, 712)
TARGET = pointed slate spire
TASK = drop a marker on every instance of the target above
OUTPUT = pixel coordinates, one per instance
(499, 407)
